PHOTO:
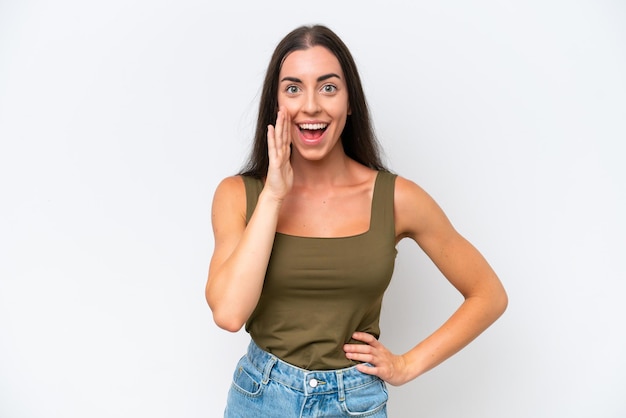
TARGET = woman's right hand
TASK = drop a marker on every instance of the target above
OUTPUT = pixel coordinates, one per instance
(279, 173)
(242, 250)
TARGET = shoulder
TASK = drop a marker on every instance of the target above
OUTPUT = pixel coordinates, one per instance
(230, 186)
(230, 195)
(415, 211)
(408, 194)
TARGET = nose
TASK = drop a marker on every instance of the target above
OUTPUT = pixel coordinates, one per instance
(311, 104)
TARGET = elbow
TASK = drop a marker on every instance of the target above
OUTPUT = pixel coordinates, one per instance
(226, 321)
(222, 317)
(229, 312)
(501, 302)
(493, 302)
(498, 298)
(228, 325)
(225, 318)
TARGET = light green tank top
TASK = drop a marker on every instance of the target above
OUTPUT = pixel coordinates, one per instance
(318, 291)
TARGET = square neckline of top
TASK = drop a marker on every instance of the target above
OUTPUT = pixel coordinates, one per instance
(358, 235)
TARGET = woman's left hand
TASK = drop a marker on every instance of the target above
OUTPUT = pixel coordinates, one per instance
(389, 367)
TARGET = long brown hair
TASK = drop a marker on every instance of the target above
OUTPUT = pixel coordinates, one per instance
(358, 138)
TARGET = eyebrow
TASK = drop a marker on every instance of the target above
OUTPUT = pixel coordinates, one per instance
(320, 78)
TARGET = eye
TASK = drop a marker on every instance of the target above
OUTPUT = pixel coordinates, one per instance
(291, 89)
(329, 88)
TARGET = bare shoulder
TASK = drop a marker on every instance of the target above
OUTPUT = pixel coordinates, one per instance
(407, 190)
(231, 185)
(415, 211)
(411, 199)
(229, 199)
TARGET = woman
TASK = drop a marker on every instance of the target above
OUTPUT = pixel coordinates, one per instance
(305, 243)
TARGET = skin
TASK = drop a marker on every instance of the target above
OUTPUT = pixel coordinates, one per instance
(313, 189)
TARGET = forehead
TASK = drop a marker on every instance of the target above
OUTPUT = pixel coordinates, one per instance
(313, 61)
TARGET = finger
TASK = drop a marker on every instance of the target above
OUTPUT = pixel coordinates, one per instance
(367, 369)
(366, 338)
(362, 357)
(280, 126)
(271, 141)
(357, 348)
(286, 129)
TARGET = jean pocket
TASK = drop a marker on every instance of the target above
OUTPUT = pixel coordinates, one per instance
(247, 379)
(366, 400)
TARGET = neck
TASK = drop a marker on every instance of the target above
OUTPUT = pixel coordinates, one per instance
(333, 170)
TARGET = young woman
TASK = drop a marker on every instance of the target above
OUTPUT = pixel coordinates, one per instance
(305, 243)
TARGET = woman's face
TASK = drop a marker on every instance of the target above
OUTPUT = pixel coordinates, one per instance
(312, 90)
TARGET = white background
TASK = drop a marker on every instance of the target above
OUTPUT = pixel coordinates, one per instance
(119, 118)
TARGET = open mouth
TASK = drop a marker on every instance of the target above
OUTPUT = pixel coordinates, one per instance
(312, 131)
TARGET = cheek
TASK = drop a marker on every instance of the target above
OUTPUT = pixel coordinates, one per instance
(289, 107)
(284, 101)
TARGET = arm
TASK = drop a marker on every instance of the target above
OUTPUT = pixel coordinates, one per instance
(419, 217)
(241, 252)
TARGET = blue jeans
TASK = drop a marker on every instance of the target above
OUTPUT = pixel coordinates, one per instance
(266, 387)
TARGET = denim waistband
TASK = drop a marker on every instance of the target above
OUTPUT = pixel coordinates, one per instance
(308, 382)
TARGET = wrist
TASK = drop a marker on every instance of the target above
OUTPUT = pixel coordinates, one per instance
(413, 367)
(268, 197)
